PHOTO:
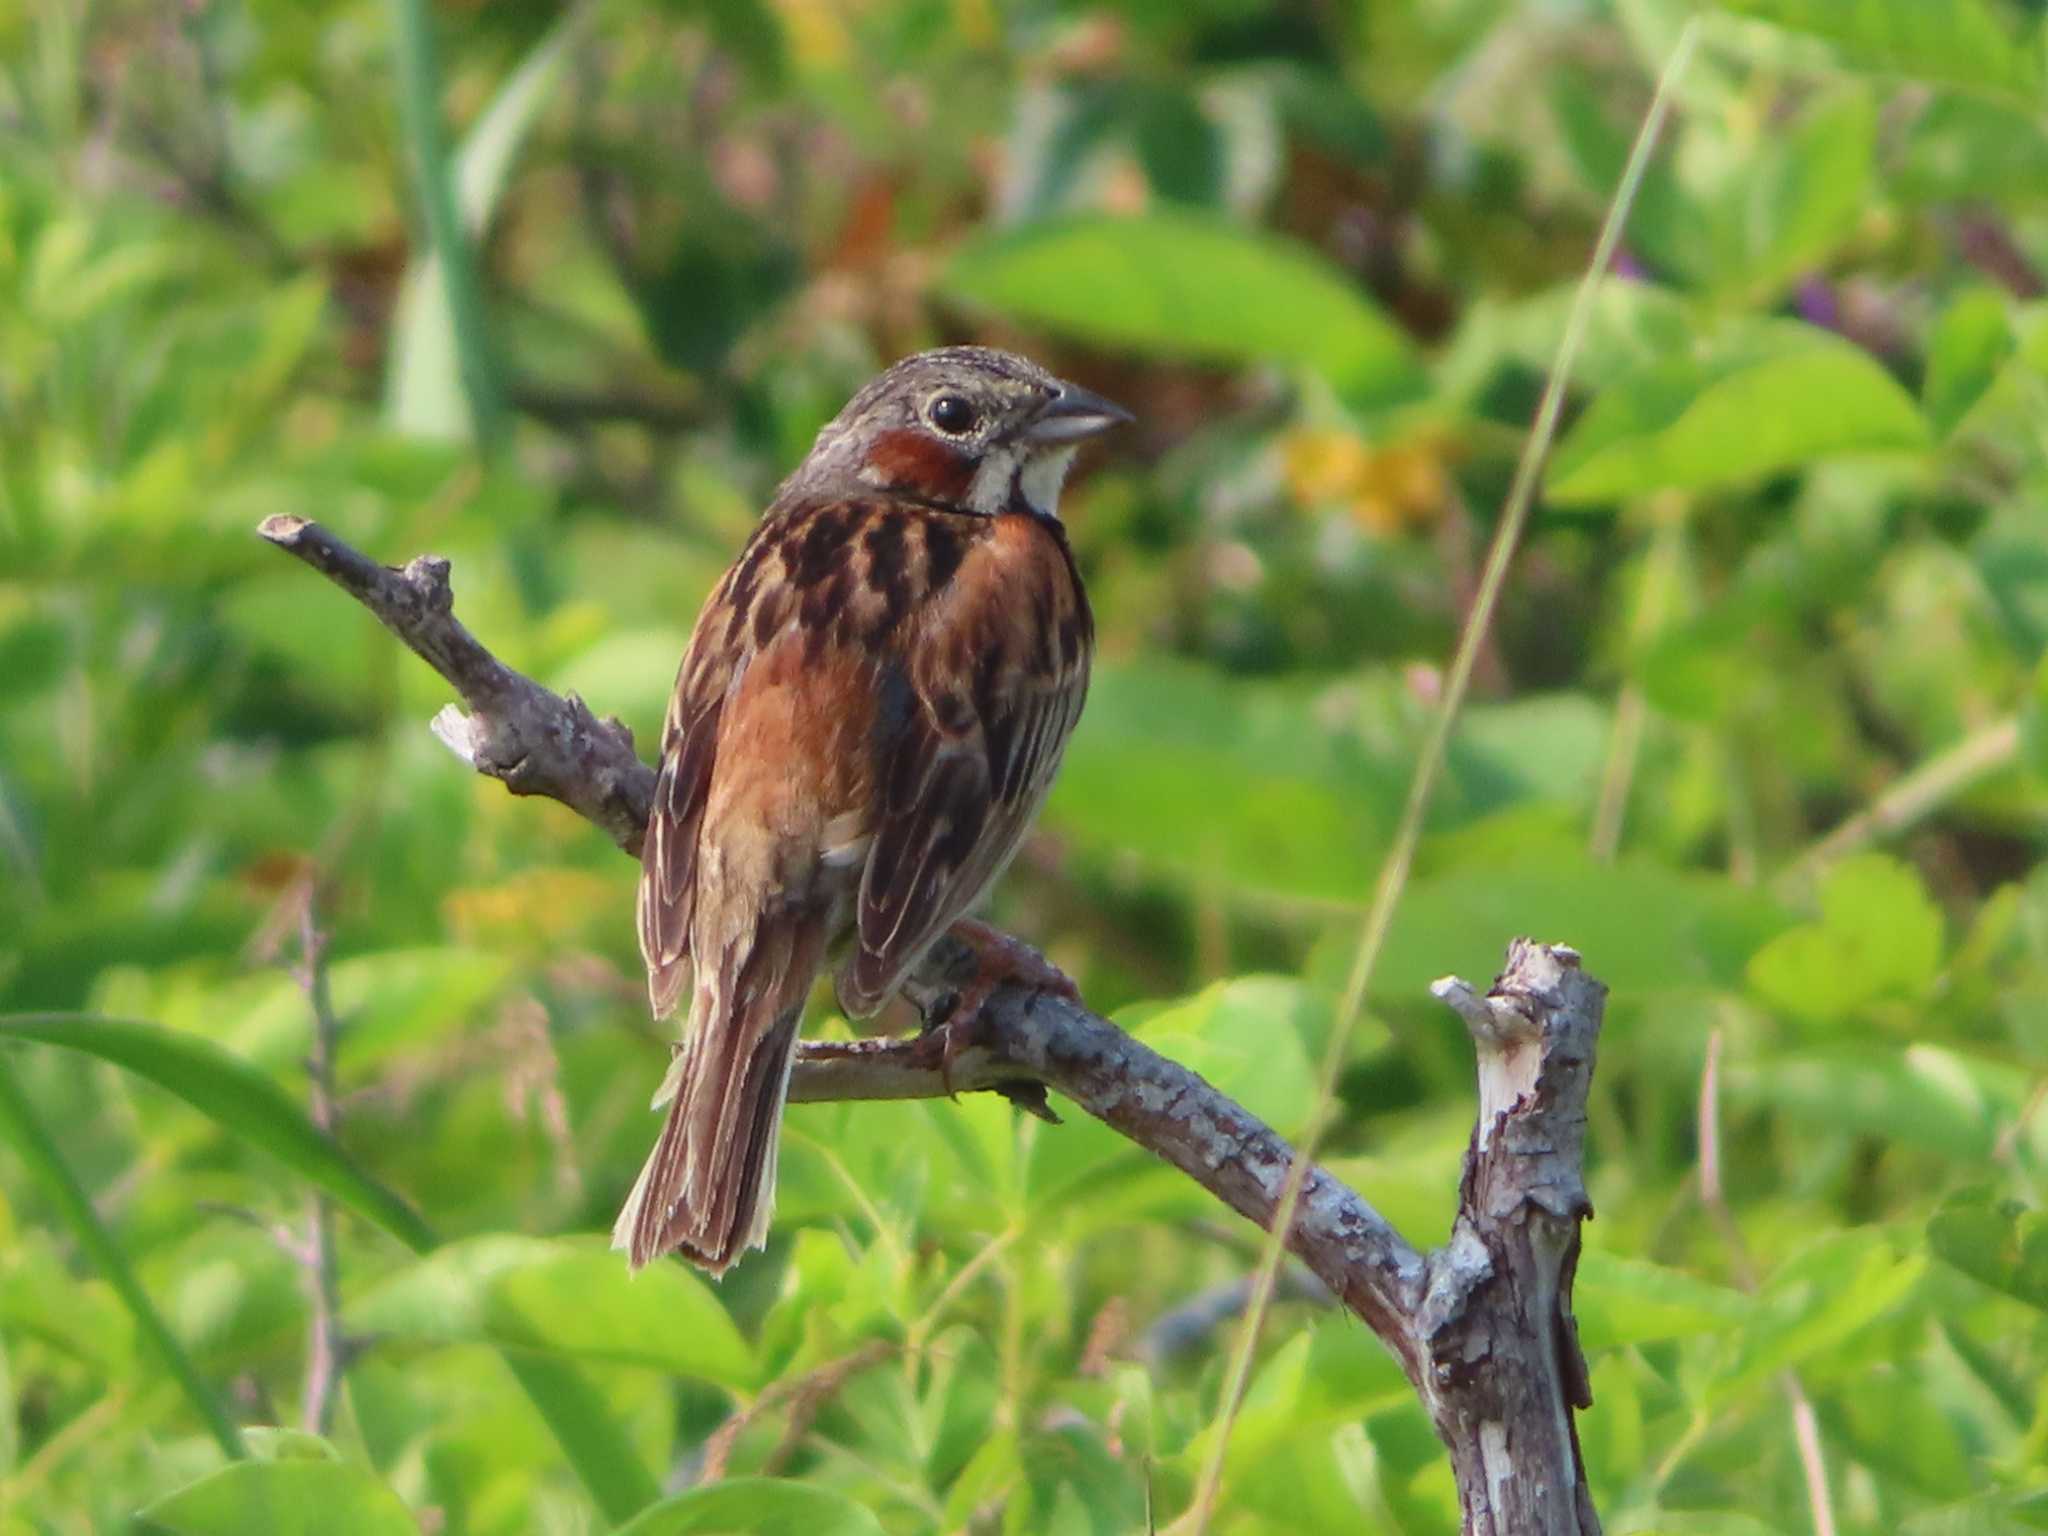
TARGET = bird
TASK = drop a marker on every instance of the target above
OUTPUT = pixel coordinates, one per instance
(870, 711)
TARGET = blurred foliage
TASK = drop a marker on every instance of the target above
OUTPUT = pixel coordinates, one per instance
(1792, 565)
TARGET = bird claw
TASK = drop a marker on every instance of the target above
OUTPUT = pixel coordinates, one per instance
(1000, 958)
(1029, 1096)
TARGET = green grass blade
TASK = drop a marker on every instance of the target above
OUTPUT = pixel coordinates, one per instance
(20, 1126)
(420, 96)
(236, 1096)
(424, 391)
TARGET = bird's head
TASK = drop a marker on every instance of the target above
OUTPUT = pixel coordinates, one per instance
(971, 429)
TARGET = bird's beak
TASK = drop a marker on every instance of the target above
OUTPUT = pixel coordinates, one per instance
(1073, 415)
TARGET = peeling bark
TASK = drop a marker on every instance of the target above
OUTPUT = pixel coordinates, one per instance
(1505, 1370)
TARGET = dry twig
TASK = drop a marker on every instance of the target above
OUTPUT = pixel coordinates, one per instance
(805, 1394)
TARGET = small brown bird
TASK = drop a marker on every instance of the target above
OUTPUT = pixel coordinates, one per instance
(870, 712)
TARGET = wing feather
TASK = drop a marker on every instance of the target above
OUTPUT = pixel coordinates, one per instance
(712, 666)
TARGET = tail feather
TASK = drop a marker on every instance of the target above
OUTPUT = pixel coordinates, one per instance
(709, 1186)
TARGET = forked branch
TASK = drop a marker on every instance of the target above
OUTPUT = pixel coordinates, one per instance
(1482, 1327)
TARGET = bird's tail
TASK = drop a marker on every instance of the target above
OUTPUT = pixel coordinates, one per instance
(709, 1187)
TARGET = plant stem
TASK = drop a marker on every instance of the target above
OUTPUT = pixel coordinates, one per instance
(326, 1349)
(18, 1123)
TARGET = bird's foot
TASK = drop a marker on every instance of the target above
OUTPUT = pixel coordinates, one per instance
(999, 959)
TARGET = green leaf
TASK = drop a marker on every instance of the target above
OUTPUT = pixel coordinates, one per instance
(275, 1442)
(1803, 193)
(237, 1097)
(572, 1299)
(1632, 326)
(1180, 149)
(1999, 1242)
(1879, 935)
(1628, 1301)
(592, 1442)
(1965, 147)
(1642, 928)
(1543, 748)
(1253, 1037)
(1924, 1096)
(1879, 905)
(71, 284)
(724, 272)
(2024, 1513)
(1841, 1285)
(21, 1127)
(630, 671)
(1950, 42)
(2034, 720)
(1267, 1417)
(756, 1506)
(1666, 226)
(1316, 775)
(1182, 285)
(1306, 807)
(1771, 402)
(1905, 1433)
(991, 1473)
(282, 1498)
(1971, 343)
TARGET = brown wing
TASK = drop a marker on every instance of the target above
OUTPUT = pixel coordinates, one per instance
(668, 858)
(994, 684)
(720, 648)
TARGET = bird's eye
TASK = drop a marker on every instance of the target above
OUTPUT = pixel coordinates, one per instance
(952, 415)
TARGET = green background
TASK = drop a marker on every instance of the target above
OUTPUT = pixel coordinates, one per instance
(1789, 565)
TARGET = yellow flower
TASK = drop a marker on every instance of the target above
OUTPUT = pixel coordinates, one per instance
(1386, 490)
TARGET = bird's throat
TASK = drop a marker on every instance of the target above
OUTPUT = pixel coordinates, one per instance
(1039, 480)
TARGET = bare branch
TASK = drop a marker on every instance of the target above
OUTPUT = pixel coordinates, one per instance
(535, 740)
(1483, 1327)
